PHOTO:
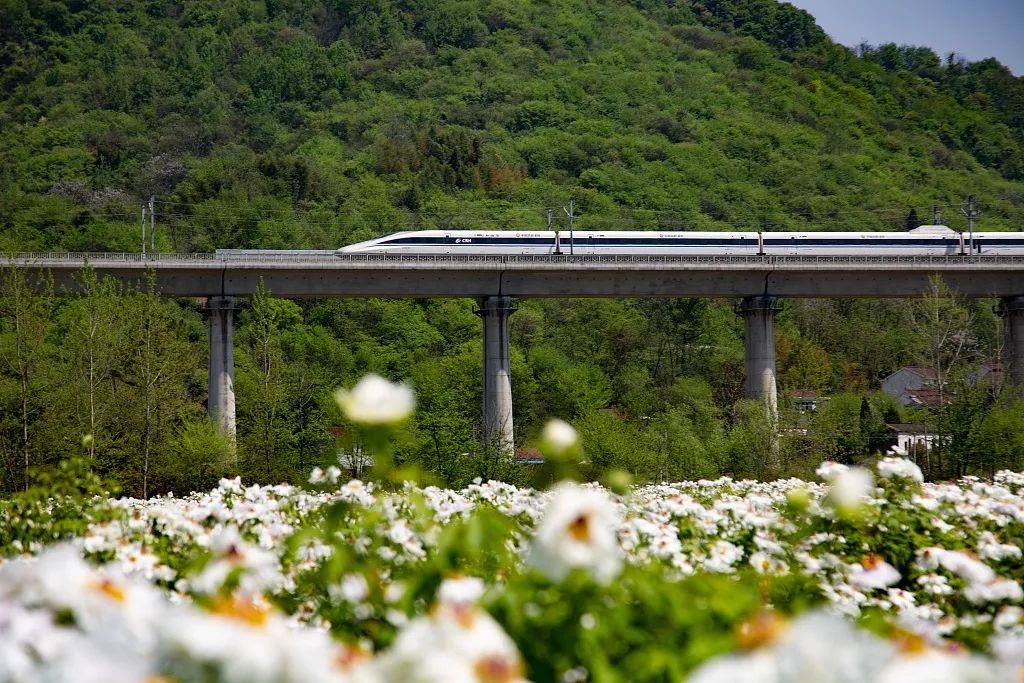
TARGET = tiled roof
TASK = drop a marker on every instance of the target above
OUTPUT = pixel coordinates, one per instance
(906, 428)
(923, 372)
(926, 397)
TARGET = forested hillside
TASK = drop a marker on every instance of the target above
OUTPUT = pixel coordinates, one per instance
(311, 124)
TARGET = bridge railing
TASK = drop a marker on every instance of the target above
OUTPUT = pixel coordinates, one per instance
(74, 259)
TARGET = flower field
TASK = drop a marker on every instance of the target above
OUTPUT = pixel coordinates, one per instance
(868, 576)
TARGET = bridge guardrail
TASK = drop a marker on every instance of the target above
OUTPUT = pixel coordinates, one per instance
(77, 258)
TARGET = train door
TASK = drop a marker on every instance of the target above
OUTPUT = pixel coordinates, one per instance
(581, 246)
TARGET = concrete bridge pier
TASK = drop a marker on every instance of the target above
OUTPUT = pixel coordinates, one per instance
(1011, 310)
(758, 314)
(497, 422)
(220, 405)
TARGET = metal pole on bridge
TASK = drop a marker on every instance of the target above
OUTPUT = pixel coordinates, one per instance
(572, 218)
(972, 213)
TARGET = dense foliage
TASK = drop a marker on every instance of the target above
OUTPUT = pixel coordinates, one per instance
(655, 388)
(316, 123)
(313, 124)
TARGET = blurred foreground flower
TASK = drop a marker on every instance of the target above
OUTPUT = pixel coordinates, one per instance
(825, 648)
(559, 436)
(578, 531)
(376, 401)
(874, 572)
(849, 486)
(889, 468)
(456, 643)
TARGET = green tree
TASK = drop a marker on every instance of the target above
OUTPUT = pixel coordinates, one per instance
(26, 305)
(611, 443)
(836, 430)
(265, 423)
(957, 423)
(93, 347)
(753, 443)
(159, 362)
(998, 440)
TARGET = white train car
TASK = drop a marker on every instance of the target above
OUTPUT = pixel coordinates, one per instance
(928, 240)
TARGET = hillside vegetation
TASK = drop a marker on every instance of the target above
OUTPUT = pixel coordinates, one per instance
(312, 124)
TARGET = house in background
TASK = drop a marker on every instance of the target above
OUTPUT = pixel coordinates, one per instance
(913, 386)
(988, 375)
(910, 438)
(925, 398)
(529, 456)
(805, 400)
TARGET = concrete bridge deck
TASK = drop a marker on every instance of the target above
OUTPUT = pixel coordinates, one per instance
(323, 274)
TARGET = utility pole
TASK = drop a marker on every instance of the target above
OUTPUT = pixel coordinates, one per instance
(569, 212)
(558, 242)
(152, 226)
(143, 231)
(936, 215)
(972, 213)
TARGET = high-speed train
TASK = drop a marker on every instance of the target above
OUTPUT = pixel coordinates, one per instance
(927, 240)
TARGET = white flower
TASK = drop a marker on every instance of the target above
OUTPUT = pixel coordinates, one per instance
(829, 470)
(454, 644)
(935, 584)
(460, 590)
(375, 400)
(764, 563)
(874, 572)
(995, 591)
(817, 647)
(353, 588)
(758, 666)
(939, 667)
(1008, 648)
(966, 567)
(899, 467)
(850, 487)
(577, 532)
(722, 556)
(559, 436)
(332, 474)
(991, 549)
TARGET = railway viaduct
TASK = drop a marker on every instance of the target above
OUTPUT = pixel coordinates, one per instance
(759, 281)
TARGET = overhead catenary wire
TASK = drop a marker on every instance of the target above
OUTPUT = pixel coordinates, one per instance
(216, 212)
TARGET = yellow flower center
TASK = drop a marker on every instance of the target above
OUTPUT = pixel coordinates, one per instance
(349, 656)
(871, 561)
(579, 528)
(240, 608)
(497, 669)
(111, 590)
(762, 629)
